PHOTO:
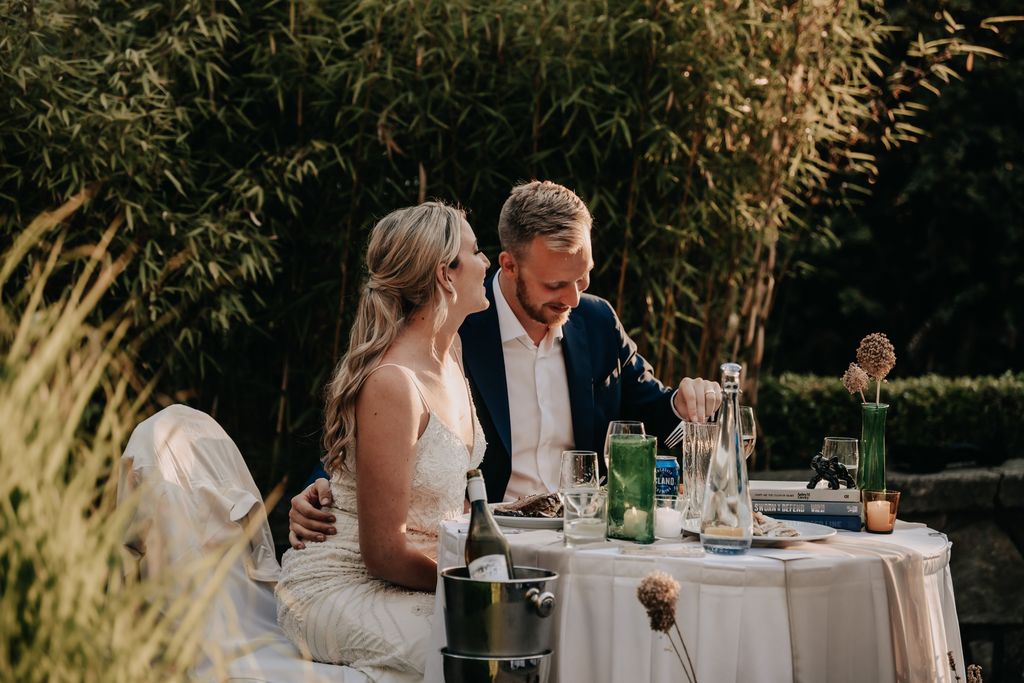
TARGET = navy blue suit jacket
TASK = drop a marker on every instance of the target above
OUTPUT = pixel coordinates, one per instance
(608, 380)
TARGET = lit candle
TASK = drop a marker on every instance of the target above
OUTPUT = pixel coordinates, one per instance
(668, 523)
(634, 521)
(878, 515)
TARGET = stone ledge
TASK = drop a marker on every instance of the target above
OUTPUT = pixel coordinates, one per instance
(1011, 488)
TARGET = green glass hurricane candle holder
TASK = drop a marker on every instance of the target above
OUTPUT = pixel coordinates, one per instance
(631, 487)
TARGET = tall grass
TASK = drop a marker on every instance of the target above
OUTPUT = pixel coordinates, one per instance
(68, 399)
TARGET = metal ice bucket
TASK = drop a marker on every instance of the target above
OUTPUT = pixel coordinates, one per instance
(466, 669)
(499, 618)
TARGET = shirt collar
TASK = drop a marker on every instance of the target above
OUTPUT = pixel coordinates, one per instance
(509, 324)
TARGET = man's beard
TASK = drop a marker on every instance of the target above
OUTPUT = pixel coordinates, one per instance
(537, 312)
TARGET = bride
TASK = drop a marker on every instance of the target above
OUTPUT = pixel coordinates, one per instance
(400, 433)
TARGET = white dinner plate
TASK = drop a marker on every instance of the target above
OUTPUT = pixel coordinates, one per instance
(808, 532)
(523, 522)
(528, 522)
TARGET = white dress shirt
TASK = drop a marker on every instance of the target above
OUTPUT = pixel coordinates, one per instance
(538, 402)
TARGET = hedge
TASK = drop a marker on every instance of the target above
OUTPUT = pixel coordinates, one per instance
(933, 421)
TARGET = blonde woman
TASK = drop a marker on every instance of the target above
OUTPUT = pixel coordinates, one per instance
(400, 433)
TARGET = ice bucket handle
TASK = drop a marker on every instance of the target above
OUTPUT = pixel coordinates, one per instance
(543, 603)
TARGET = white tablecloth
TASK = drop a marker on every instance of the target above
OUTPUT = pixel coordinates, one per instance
(856, 607)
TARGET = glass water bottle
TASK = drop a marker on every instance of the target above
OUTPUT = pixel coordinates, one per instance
(726, 521)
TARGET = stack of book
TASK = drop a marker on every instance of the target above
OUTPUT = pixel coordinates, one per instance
(792, 500)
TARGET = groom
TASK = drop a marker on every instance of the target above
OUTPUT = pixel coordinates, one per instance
(545, 357)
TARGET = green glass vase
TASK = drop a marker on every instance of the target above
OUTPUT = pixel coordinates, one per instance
(871, 471)
(631, 487)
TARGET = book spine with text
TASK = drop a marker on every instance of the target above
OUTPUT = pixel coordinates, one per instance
(805, 494)
(806, 507)
(845, 522)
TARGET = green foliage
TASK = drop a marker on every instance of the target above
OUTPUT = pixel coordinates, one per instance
(933, 256)
(66, 407)
(932, 421)
(249, 149)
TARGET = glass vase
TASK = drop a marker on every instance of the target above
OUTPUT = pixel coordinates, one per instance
(631, 487)
(871, 473)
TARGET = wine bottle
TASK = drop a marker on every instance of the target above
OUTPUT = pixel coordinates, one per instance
(488, 554)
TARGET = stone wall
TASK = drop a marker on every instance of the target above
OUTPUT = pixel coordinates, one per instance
(981, 510)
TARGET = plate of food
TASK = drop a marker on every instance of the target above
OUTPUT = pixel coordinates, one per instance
(542, 511)
(768, 531)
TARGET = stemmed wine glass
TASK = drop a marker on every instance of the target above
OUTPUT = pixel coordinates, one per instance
(748, 430)
(620, 427)
(847, 450)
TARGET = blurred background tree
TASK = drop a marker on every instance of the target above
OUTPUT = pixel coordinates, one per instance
(239, 155)
(933, 255)
(247, 151)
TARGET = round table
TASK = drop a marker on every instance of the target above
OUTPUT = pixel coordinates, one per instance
(854, 607)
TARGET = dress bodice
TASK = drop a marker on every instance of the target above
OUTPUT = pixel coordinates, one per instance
(438, 483)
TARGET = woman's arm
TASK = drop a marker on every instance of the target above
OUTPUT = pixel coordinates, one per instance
(390, 418)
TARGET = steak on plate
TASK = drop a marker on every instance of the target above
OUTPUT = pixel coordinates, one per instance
(538, 505)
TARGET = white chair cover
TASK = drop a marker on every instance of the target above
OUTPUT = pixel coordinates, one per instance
(198, 495)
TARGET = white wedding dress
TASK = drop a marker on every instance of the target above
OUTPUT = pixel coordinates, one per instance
(331, 608)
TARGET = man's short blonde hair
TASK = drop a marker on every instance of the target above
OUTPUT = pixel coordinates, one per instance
(543, 209)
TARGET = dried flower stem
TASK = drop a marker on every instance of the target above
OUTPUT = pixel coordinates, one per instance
(692, 671)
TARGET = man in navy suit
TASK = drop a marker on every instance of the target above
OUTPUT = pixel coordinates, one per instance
(545, 357)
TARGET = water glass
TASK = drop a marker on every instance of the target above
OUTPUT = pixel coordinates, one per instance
(583, 516)
(847, 450)
(579, 471)
(699, 442)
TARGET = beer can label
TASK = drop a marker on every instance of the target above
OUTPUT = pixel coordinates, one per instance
(666, 475)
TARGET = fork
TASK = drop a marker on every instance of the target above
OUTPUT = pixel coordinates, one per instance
(676, 435)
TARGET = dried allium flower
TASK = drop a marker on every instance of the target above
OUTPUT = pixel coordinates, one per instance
(855, 379)
(876, 355)
(658, 593)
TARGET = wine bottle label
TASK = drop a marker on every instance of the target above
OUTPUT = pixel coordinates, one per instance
(489, 568)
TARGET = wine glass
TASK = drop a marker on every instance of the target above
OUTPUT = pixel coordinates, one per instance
(846, 448)
(620, 427)
(579, 471)
(748, 430)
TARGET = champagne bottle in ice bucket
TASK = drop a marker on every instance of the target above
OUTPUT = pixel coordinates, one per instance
(488, 554)
(726, 520)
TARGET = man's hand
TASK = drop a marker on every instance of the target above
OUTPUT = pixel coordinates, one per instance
(698, 399)
(306, 520)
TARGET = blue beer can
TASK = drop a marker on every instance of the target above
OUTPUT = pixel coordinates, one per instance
(666, 475)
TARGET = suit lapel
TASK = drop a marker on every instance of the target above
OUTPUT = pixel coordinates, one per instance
(581, 380)
(485, 364)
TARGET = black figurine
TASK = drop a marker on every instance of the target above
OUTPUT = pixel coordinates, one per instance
(832, 471)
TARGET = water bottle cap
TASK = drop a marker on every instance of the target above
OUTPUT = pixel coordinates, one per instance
(732, 368)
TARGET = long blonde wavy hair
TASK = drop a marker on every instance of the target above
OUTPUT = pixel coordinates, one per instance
(406, 246)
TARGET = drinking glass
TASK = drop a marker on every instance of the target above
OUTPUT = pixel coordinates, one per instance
(579, 471)
(748, 430)
(699, 442)
(847, 450)
(583, 516)
(621, 427)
